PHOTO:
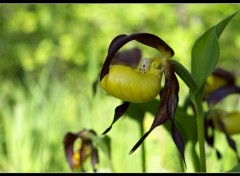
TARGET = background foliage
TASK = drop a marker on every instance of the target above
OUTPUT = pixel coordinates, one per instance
(51, 54)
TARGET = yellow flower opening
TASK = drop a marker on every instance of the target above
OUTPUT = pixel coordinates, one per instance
(134, 85)
(76, 156)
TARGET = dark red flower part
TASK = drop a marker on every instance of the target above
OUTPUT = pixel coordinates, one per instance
(87, 143)
(169, 93)
(215, 97)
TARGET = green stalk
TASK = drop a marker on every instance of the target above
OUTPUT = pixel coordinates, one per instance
(143, 147)
(201, 138)
(194, 156)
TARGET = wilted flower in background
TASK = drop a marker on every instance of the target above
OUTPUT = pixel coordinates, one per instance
(219, 85)
(85, 149)
(133, 79)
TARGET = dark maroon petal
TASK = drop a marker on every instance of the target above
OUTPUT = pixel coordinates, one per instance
(69, 140)
(82, 155)
(114, 46)
(160, 117)
(171, 84)
(173, 97)
(94, 159)
(177, 138)
(155, 42)
(208, 124)
(139, 142)
(231, 142)
(119, 111)
(144, 38)
(116, 41)
(221, 93)
(129, 58)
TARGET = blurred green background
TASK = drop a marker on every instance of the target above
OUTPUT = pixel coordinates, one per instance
(50, 56)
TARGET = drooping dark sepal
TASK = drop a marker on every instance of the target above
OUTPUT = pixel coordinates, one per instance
(160, 118)
(94, 158)
(221, 93)
(178, 140)
(69, 140)
(161, 115)
(167, 108)
(230, 141)
(119, 111)
(172, 85)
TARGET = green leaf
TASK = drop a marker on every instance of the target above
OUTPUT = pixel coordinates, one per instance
(235, 168)
(205, 54)
(185, 75)
(206, 51)
(103, 143)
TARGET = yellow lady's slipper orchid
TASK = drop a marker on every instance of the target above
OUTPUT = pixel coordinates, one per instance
(134, 85)
(213, 83)
(219, 78)
(121, 78)
(85, 149)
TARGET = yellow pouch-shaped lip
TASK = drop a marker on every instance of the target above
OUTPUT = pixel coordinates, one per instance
(132, 85)
(213, 83)
(231, 122)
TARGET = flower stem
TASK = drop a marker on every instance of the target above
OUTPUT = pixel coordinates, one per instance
(143, 148)
(201, 138)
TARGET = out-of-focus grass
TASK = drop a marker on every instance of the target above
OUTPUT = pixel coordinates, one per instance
(33, 127)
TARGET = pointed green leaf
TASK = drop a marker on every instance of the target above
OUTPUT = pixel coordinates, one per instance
(185, 75)
(205, 52)
(104, 144)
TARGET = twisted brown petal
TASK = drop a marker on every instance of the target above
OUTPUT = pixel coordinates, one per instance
(119, 111)
(178, 140)
(231, 142)
(172, 85)
(160, 117)
(221, 93)
(172, 102)
(94, 158)
(69, 140)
